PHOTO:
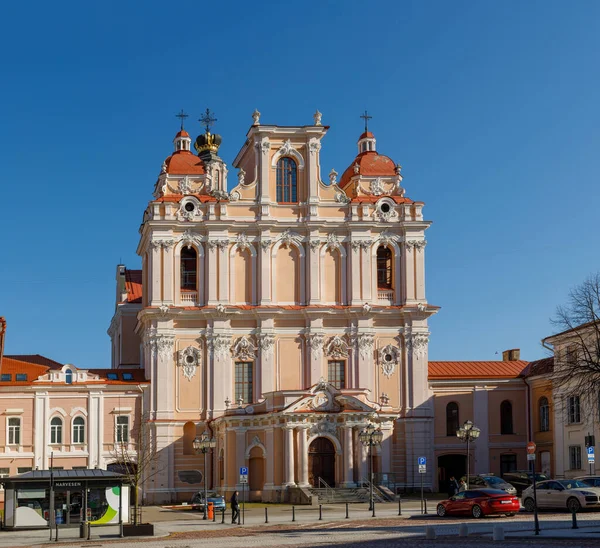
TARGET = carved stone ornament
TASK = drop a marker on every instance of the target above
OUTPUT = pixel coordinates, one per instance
(387, 238)
(376, 187)
(315, 341)
(314, 244)
(189, 360)
(356, 168)
(184, 215)
(317, 117)
(163, 168)
(337, 348)
(266, 342)
(221, 244)
(164, 243)
(366, 308)
(265, 244)
(244, 350)
(220, 310)
(188, 239)
(185, 186)
(417, 342)
(388, 359)
(333, 177)
(164, 345)
(241, 176)
(419, 245)
(322, 427)
(264, 146)
(342, 198)
(256, 117)
(333, 242)
(234, 196)
(365, 342)
(163, 309)
(321, 401)
(314, 146)
(219, 345)
(382, 215)
(287, 148)
(242, 241)
(357, 244)
(422, 307)
(287, 237)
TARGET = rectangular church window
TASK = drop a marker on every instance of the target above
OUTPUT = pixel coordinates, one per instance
(337, 373)
(243, 382)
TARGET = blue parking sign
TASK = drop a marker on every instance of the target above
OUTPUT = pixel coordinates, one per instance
(244, 471)
(422, 460)
(590, 450)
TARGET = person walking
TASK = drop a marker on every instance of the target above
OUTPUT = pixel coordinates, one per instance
(452, 487)
(235, 507)
(463, 486)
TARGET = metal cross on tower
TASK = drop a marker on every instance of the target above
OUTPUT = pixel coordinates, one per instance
(207, 120)
(182, 115)
(366, 118)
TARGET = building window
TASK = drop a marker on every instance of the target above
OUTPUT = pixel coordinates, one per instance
(575, 457)
(112, 376)
(6, 377)
(544, 414)
(78, 430)
(384, 267)
(4, 472)
(56, 430)
(21, 377)
(506, 418)
(337, 373)
(574, 409)
(189, 269)
(571, 355)
(24, 469)
(243, 381)
(451, 418)
(508, 463)
(127, 376)
(287, 181)
(122, 434)
(14, 431)
(68, 376)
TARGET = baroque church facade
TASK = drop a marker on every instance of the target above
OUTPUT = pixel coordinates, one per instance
(281, 317)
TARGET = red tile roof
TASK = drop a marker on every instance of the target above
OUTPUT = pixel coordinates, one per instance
(133, 285)
(12, 367)
(544, 366)
(182, 133)
(476, 370)
(370, 164)
(36, 359)
(183, 162)
(366, 134)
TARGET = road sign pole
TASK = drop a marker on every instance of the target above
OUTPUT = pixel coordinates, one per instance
(422, 498)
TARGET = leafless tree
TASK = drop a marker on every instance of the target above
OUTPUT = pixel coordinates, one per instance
(577, 365)
(139, 461)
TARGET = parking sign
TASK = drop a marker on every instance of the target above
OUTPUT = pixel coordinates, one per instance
(591, 454)
(422, 461)
(243, 471)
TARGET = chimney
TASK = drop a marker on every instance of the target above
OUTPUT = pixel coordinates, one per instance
(121, 291)
(511, 355)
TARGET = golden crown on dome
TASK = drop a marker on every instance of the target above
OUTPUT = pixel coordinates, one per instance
(207, 141)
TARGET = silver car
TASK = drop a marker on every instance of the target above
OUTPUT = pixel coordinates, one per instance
(487, 481)
(572, 495)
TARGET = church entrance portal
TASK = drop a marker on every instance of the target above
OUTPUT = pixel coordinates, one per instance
(448, 466)
(321, 462)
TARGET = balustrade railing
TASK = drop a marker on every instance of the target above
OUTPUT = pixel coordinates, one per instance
(189, 297)
(386, 295)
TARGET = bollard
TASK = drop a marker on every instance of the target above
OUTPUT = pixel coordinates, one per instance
(463, 530)
(425, 501)
(373, 514)
(430, 533)
(89, 531)
(223, 516)
(347, 514)
(214, 516)
(266, 515)
(574, 526)
(320, 513)
(498, 532)
(399, 505)
(56, 539)
(293, 513)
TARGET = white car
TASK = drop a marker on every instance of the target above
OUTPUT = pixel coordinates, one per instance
(572, 495)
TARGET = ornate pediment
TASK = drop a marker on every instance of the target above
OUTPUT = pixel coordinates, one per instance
(244, 349)
(337, 348)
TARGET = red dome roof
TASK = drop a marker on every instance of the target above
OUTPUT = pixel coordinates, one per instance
(182, 133)
(370, 164)
(183, 162)
(366, 135)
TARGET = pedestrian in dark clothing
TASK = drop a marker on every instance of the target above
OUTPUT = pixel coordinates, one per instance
(452, 487)
(235, 507)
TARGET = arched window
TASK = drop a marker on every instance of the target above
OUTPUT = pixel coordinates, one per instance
(56, 425)
(544, 414)
(506, 418)
(384, 267)
(78, 430)
(68, 376)
(451, 418)
(189, 269)
(287, 176)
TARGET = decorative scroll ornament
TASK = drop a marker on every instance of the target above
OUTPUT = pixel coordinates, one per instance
(321, 401)
(419, 245)
(163, 168)
(417, 342)
(314, 244)
(266, 342)
(163, 309)
(188, 239)
(265, 244)
(387, 238)
(154, 244)
(221, 244)
(219, 345)
(376, 187)
(342, 198)
(324, 426)
(234, 196)
(185, 186)
(314, 147)
(366, 308)
(388, 359)
(287, 237)
(358, 244)
(243, 242)
(333, 242)
(244, 350)
(365, 342)
(220, 310)
(385, 215)
(315, 341)
(241, 176)
(337, 348)
(287, 148)
(189, 360)
(264, 146)
(184, 215)
(356, 168)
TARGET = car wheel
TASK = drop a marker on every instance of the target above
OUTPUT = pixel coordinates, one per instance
(441, 510)
(573, 505)
(529, 505)
(510, 515)
(476, 511)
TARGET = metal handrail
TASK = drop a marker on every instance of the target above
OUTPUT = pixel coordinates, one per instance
(327, 487)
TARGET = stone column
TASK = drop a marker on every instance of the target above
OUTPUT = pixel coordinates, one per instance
(212, 272)
(409, 271)
(302, 456)
(367, 282)
(264, 268)
(313, 258)
(354, 295)
(289, 455)
(224, 271)
(266, 343)
(348, 457)
(168, 266)
(155, 273)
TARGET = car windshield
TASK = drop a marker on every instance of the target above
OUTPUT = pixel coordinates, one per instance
(493, 480)
(540, 477)
(573, 484)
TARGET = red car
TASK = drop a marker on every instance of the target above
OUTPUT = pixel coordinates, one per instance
(479, 503)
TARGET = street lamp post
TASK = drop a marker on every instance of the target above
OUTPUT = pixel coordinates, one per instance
(202, 445)
(369, 437)
(468, 432)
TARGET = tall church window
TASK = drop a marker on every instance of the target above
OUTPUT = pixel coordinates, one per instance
(544, 414)
(384, 268)
(451, 418)
(189, 269)
(243, 382)
(287, 176)
(337, 373)
(506, 418)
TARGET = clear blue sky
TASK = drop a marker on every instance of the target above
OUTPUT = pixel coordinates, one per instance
(492, 108)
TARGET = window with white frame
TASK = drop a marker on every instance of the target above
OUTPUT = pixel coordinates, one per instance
(14, 431)
(56, 425)
(122, 433)
(544, 414)
(78, 430)
(4, 472)
(575, 457)
(574, 409)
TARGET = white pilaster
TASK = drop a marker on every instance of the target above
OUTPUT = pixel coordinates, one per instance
(212, 273)
(155, 274)
(348, 457)
(288, 432)
(302, 456)
(168, 277)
